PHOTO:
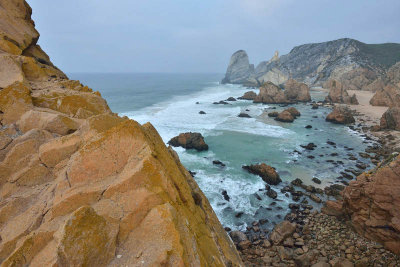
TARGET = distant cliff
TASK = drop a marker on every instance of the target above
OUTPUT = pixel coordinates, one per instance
(344, 59)
(81, 186)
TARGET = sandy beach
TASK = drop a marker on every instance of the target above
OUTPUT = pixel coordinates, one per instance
(372, 114)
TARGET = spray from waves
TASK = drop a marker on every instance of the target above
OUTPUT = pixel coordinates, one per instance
(181, 114)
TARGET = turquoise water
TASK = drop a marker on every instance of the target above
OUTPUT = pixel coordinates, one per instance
(168, 101)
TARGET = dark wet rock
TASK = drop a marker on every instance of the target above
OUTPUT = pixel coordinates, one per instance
(309, 146)
(225, 195)
(238, 236)
(273, 114)
(202, 112)
(266, 172)
(315, 106)
(361, 166)
(231, 99)
(297, 182)
(227, 229)
(244, 115)
(272, 194)
(192, 173)
(315, 198)
(221, 103)
(308, 127)
(316, 180)
(218, 162)
(331, 143)
(311, 157)
(189, 141)
(239, 214)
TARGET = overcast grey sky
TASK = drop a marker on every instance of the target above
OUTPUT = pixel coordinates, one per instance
(199, 35)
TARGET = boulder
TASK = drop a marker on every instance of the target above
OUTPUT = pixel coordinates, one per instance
(266, 172)
(338, 94)
(296, 91)
(388, 96)
(295, 113)
(282, 231)
(189, 141)
(391, 119)
(250, 95)
(371, 202)
(271, 94)
(15, 100)
(341, 115)
(285, 116)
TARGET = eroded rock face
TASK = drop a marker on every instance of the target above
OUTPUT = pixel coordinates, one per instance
(239, 69)
(341, 115)
(296, 91)
(189, 141)
(391, 119)
(338, 94)
(389, 96)
(266, 172)
(372, 203)
(20, 57)
(271, 94)
(281, 231)
(81, 186)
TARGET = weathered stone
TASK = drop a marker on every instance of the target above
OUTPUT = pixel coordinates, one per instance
(340, 115)
(266, 172)
(281, 231)
(391, 119)
(189, 141)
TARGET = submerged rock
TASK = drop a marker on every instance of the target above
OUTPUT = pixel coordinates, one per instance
(189, 141)
(273, 114)
(266, 172)
(244, 115)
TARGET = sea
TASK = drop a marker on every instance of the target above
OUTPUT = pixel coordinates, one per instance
(172, 102)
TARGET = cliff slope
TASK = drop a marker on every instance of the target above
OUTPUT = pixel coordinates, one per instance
(349, 60)
(80, 185)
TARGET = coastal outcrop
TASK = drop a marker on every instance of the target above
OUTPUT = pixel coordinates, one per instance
(338, 94)
(371, 203)
(296, 91)
(271, 94)
(81, 186)
(341, 115)
(359, 66)
(189, 141)
(250, 95)
(239, 70)
(388, 96)
(293, 92)
(266, 172)
(391, 119)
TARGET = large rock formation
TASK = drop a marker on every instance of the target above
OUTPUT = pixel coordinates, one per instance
(338, 94)
(372, 204)
(389, 96)
(81, 186)
(354, 63)
(21, 58)
(391, 119)
(271, 94)
(296, 91)
(266, 172)
(239, 69)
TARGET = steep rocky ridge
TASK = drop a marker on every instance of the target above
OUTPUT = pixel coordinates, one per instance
(80, 185)
(349, 60)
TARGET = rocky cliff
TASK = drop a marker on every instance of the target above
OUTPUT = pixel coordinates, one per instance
(80, 186)
(371, 203)
(346, 60)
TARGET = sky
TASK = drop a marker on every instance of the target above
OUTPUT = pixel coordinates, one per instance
(199, 36)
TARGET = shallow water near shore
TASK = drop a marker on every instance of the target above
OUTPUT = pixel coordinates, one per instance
(168, 101)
